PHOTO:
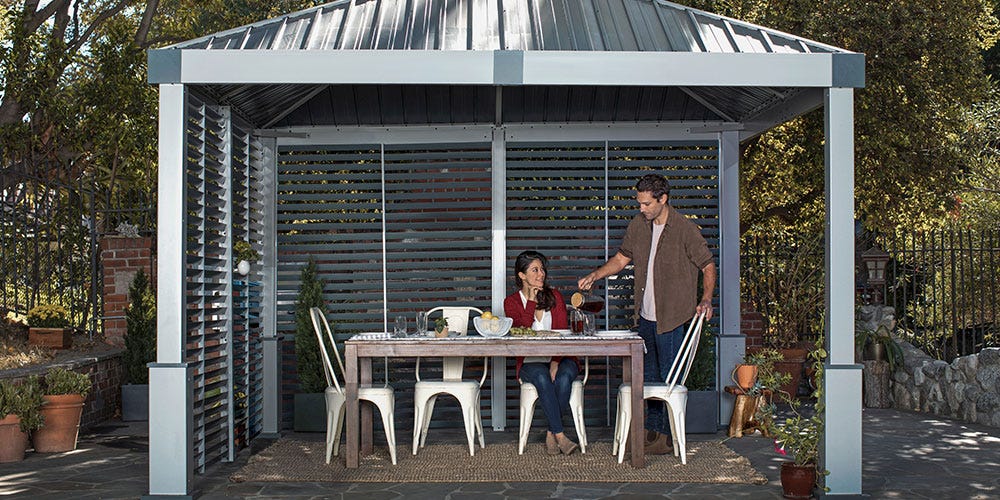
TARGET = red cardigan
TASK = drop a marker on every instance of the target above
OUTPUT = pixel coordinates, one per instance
(524, 316)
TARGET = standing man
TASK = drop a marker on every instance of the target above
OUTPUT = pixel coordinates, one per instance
(668, 251)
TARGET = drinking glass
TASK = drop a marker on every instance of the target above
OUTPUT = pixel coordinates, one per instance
(399, 330)
(589, 324)
(422, 323)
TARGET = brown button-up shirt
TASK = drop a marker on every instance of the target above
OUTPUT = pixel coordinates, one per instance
(680, 255)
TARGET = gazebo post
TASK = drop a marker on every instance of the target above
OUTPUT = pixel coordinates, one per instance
(171, 459)
(730, 341)
(841, 446)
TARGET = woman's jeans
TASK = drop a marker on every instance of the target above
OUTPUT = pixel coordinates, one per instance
(554, 395)
(660, 353)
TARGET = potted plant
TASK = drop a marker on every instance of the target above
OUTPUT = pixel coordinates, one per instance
(798, 435)
(48, 326)
(790, 298)
(244, 254)
(140, 348)
(878, 345)
(65, 392)
(310, 404)
(20, 414)
(702, 414)
(441, 327)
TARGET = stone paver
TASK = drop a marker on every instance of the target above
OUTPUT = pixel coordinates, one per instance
(905, 455)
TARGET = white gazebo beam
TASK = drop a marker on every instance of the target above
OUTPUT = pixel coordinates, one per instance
(171, 459)
(506, 67)
(841, 446)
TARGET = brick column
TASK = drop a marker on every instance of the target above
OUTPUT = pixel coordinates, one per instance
(121, 258)
(752, 325)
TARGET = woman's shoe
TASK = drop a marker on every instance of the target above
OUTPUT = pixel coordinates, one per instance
(551, 447)
(566, 445)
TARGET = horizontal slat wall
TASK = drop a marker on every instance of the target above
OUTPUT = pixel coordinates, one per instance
(573, 201)
(260, 190)
(207, 280)
(330, 209)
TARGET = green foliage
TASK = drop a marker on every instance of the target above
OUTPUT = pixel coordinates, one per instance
(978, 206)
(242, 250)
(310, 368)
(48, 316)
(140, 337)
(23, 399)
(767, 377)
(702, 376)
(800, 434)
(63, 381)
(441, 324)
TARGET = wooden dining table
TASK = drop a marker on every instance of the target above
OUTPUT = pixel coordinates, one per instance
(360, 350)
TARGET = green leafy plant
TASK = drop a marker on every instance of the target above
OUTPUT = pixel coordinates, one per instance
(140, 336)
(48, 316)
(702, 376)
(767, 377)
(441, 325)
(310, 371)
(63, 381)
(863, 338)
(789, 292)
(242, 250)
(23, 399)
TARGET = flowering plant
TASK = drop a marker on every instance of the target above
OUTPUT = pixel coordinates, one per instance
(244, 251)
(799, 435)
(48, 316)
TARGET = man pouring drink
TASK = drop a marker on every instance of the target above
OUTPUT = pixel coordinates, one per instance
(668, 252)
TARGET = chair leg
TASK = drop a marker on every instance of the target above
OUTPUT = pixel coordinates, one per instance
(678, 428)
(387, 424)
(337, 426)
(418, 421)
(622, 429)
(479, 423)
(576, 407)
(427, 419)
(331, 432)
(527, 411)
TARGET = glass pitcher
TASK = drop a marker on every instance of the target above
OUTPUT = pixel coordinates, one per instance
(587, 301)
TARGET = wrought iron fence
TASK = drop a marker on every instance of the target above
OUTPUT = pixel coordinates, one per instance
(49, 252)
(943, 285)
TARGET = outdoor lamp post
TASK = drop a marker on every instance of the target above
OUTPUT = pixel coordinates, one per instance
(875, 260)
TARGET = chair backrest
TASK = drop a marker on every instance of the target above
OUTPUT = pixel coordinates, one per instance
(316, 314)
(681, 366)
(458, 321)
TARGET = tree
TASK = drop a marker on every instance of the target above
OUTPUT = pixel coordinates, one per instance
(310, 367)
(140, 339)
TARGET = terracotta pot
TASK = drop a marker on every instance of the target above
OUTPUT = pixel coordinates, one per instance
(62, 423)
(792, 365)
(13, 442)
(797, 481)
(745, 376)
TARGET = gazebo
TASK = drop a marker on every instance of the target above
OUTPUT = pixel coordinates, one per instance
(414, 147)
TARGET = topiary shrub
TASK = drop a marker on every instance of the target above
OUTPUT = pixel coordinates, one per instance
(140, 336)
(309, 363)
(62, 381)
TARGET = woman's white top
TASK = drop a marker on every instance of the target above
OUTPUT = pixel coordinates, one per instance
(538, 324)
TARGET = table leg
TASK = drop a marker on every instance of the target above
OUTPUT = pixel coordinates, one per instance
(365, 366)
(352, 414)
(635, 368)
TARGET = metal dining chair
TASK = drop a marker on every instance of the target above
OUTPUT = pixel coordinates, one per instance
(671, 391)
(529, 396)
(382, 397)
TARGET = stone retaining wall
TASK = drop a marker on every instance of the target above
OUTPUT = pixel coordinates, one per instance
(965, 389)
(106, 373)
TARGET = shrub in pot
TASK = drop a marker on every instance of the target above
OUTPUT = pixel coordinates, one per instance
(140, 348)
(48, 326)
(20, 414)
(65, 392)
(310, 403)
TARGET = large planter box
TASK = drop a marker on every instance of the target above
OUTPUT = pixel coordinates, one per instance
(135, 402)
(55, 338)
(702, 412)
(310, 413)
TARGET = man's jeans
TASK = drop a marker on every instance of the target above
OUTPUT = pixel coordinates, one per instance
(660, 353)
(554, 396)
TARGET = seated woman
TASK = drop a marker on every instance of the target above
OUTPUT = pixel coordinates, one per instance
(541, 307)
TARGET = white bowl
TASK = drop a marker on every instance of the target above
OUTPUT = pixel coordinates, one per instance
(493, 328)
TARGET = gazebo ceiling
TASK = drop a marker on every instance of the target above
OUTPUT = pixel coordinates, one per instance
(324, 83)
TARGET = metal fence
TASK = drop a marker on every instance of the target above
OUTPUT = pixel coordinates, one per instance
(49, 251)
(943, 285)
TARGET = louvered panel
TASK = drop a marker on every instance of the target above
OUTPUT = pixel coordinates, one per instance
(207, 277)
(259, 189)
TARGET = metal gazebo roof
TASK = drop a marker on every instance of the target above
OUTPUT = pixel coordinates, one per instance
(645, 60)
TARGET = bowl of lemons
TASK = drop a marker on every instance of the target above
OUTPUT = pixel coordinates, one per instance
(489, 325)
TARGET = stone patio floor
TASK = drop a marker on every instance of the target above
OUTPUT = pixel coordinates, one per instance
(905, 455)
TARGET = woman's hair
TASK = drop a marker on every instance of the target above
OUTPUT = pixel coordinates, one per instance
(545, 299)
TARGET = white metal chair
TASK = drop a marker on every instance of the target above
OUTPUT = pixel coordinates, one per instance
(383, 397)
(671, 391)
(425, 392)
(529, 396)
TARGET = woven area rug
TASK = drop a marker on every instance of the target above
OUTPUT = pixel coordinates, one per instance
(295, 460)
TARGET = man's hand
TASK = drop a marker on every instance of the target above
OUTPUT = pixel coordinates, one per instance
(706, 307)
(585, 282)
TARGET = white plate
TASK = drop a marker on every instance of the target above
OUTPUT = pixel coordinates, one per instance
(563, 332)
(615, 334)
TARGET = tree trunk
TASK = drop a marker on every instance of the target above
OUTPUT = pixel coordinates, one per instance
(876, 384)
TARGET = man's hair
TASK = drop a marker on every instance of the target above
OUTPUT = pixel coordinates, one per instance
(654, 184)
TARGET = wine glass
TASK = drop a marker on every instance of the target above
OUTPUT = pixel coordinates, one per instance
(399, 329)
